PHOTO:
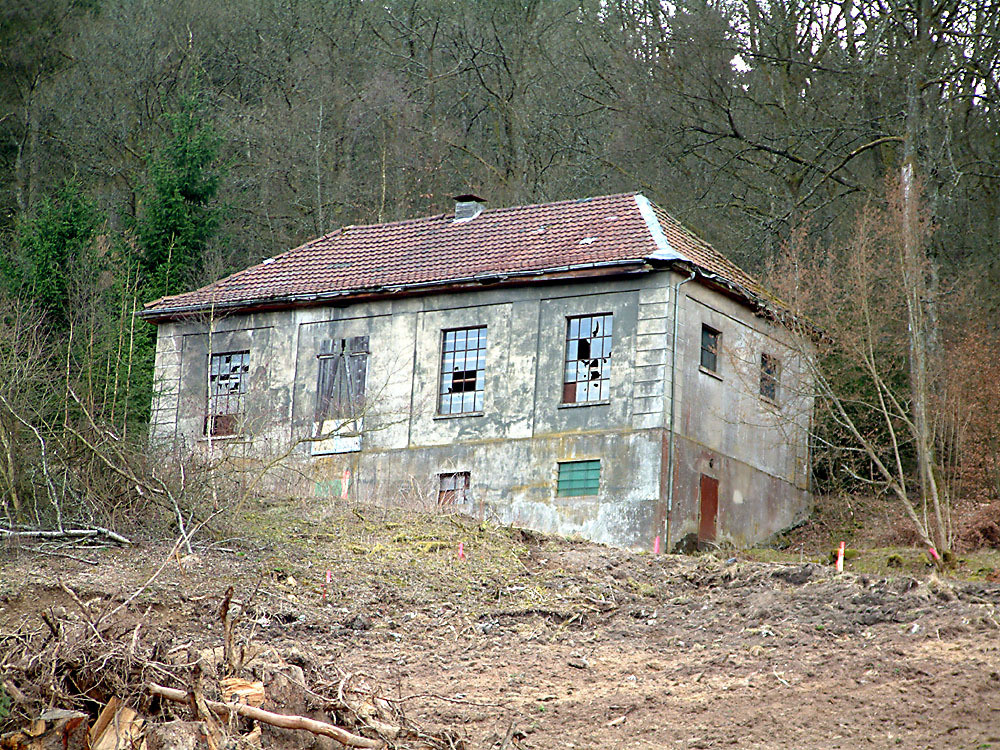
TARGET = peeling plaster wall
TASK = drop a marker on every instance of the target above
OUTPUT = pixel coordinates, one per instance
(512, 448)
(757, 449)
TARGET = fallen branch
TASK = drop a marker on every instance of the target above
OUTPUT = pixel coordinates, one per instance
(64, 555)
(283, 721)
(66, 534)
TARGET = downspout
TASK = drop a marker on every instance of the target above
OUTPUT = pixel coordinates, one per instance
(673, 401)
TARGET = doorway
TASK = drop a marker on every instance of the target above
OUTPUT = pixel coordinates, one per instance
(709, 509)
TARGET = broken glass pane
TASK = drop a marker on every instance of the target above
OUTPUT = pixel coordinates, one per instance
(463, 370)
(588, 359)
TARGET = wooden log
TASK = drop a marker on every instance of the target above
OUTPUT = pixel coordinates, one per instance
(283, 721)
(66, 534)
(55, 729)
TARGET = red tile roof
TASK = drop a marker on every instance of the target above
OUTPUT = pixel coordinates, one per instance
(437, 250)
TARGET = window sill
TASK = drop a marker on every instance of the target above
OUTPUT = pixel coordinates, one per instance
(224, 439)
(771, 402)
(710, 373)
(460, 414)
(577, 404)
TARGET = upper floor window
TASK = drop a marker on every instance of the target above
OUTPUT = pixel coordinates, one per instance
(340, 385)
(711, 340)
(770, 374)
(227, 388)
(463, 370)
(588, 359)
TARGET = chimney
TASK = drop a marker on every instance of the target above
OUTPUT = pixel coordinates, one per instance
(468, 207)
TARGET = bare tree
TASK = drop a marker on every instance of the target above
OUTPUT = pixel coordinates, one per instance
(874, 369)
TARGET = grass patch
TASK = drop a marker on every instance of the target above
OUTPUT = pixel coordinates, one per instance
(770, 555)
(981, 565)
(403, 557)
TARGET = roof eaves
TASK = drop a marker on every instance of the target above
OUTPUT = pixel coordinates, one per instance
(319, 297)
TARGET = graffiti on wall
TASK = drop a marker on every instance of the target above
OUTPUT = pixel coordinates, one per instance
(333, 487)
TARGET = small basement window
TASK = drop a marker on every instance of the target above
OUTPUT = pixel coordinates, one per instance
(710, 341)
(227, 388)
(463, 370)
(578, 478)
(770, 374)
(588, 359)
(453, 488)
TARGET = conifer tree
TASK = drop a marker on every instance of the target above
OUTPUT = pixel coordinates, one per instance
(55, 249)
(180, 217)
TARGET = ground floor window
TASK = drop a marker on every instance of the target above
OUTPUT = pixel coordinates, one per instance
(453, 488)
(578, 478)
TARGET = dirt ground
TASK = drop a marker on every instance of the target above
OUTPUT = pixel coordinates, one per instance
(527, 642)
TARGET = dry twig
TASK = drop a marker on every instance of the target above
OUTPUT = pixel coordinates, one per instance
(267, 717)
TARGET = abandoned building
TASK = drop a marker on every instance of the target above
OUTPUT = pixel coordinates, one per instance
(583, 367)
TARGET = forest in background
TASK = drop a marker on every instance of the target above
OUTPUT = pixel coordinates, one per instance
(148, 147)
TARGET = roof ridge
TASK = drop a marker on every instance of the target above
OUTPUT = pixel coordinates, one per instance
(497, 210)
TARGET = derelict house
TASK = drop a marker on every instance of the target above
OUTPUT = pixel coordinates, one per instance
(584, 367)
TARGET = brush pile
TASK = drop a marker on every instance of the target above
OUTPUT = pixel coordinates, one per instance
(95, 677)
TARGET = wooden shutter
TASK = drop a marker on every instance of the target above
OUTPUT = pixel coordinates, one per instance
(357, 371)
(340, 387)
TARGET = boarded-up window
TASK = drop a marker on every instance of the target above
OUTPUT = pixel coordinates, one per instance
(770, 373)
(463, 370)
(588, 359)
(227, 389)
(710, 341)
(340, 388)
(578, 478)
(453, 488)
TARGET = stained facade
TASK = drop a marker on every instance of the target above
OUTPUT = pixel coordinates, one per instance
(607, 375)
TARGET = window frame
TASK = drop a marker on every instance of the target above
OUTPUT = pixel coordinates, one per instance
(563, 488)
(351, 353)
(214, 396)
(454, 495)
(573, 363)
(446, 393)
(770, 378)
(340, 395)
(710, 351)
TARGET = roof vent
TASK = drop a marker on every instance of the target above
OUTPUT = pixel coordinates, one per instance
(468, 207)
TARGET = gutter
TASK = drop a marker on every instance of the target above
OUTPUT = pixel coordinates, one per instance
(291, 300)
(673, 402)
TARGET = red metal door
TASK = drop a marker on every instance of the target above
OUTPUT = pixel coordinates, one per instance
(709, 508)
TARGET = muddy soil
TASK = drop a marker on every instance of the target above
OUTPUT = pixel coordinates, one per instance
(531, 642)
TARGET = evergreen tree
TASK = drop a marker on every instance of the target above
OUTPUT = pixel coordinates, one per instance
(180, 219)
(56, 248)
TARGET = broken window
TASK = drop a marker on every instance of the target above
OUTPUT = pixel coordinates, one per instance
(463, 370)
(588, 359)
(578, 478)
(710, 340)
(227, 389)
(770, 372)
(453, 488)
(340, 387)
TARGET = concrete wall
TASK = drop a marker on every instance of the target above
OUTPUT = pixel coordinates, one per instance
(511, 449)
(757, 449)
